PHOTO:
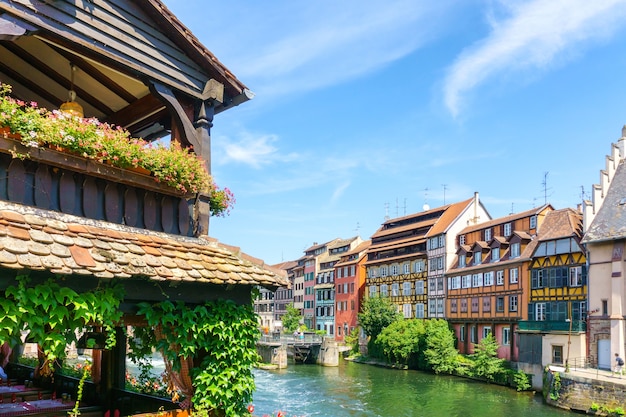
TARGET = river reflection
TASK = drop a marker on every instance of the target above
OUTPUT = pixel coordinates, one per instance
(363, 390)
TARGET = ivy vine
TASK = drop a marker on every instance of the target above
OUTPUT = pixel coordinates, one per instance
(223, 335)
(52, 314)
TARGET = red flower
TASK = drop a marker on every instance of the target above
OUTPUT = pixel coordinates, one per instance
(250, 409)
(280, 414)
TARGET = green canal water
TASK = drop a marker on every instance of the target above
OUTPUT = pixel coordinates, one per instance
(364, 390)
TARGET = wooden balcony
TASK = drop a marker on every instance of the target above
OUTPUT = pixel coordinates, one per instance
(51, 180)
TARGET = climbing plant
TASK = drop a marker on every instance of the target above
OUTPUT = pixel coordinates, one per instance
(220, 333)
(52, 314)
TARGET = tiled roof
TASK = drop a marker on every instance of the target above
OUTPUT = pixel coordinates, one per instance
(561, 224)
(34, 239)
(505, 219)
(451, 213)
(610, 222)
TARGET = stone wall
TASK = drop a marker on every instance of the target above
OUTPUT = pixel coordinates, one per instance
(578, 393)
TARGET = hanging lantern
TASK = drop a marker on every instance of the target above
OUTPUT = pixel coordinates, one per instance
(72, 107)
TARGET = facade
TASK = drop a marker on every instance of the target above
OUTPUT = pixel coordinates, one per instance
(605, 237)
(311, 268)
(264, 307)
(398, 262)
(325, 283)
(349, 289)
(284, 295)
(488, 283)
(298, 285)
(557, 301)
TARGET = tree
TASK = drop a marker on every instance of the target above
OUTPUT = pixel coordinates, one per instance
(376, 314)
(440, 352)
(292, 318)
(486, 362)
(400, 341)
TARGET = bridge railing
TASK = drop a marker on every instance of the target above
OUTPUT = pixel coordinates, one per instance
(304, 338)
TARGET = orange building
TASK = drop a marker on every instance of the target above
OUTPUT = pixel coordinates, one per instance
(488, 285)
(349, 289)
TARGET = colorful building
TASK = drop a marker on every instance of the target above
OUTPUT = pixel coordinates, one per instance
(398, 263)
(554, 332)
(488, 285)
(349, 289)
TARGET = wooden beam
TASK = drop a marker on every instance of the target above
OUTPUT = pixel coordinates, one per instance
(135, 111)
(56, 77)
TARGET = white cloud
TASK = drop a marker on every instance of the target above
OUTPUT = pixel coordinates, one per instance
(255, 151)
(534, 35)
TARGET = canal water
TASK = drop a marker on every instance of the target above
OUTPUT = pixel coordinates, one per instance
(353, 389)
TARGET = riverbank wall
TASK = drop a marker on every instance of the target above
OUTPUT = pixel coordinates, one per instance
(582, 394)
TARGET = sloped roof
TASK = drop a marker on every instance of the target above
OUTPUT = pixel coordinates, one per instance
(450, 214)
(560, 224)
(610, 222)
(505, 219)
(40, 240)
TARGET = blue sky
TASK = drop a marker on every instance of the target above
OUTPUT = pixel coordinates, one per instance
(372, 108)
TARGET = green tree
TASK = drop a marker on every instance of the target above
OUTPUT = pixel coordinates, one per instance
(292, 318)
(352, 340)
(440, 352)
(400, 341)
(376, 314)
(486, 362)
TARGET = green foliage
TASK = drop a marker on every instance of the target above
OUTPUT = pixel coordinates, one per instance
(376, 314)
(352, 340)
(521, 381)
(608, 411)
(440, 353)
(81, 385)
(52, 314)
(555, 386)
(292, 318)
(486, 362)
(224, 335)
(400, 341)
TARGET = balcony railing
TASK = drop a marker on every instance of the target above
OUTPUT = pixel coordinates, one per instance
(578, 326)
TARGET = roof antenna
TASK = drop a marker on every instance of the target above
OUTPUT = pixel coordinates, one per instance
(426, 207)
(445, 187)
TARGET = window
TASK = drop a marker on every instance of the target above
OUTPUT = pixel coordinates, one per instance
(488, 279)
(372, 272)
(419, 310)
(440, 262)
(433, 242)
(383, 271)
(475, 305)
(486, 304)
(383, 290)
(406, 268)
(466, 281)
(557, 354)
(406, 310)
(513, 303)
(419, 287)
(605, 307)
(432, 307)
(455, 283)
(462, 240)
(462, 333)
(506, 336)
(495, 254)
(395, 289)
(474, 334)
(440, 302)
(462, 260)
(507, 229)
(442, 241)
(432, 285)
(453, 306)
(533, 222)
(513, 275)
(477, 280)
(486, 331)
(418, 266)
(440, 284)
(576, 276)
(515, 250)
(487, 235)
(500, 304)
(477, 257)
(540, 311)
(464, 305)
(500, 277)
(406, 288)
(394, 270)
(536, 278)
(372, 290)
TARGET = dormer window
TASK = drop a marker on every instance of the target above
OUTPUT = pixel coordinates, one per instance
(533, 222)
(515, 250)
(495, 254)
(462, 260)
(487, 235)
(477, 257)
(507, 229)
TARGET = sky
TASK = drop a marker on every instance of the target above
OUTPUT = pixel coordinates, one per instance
(365, 109)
